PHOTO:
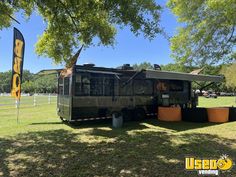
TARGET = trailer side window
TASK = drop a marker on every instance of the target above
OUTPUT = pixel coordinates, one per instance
(60, 86)
(60, 80)
(96, 86)
(78, 84)
(176, 85)
(85, 85)
(82, 84)
(143, 87)
(125, 90)
(162, 86)
(66, 85)
(108, 86)
(60, 90)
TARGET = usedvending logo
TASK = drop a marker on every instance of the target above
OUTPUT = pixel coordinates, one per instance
(208, 166)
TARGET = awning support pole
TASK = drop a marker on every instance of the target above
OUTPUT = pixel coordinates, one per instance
(132, 77)
(206, 86)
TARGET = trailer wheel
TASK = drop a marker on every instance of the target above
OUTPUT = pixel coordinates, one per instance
(127, 114)
(139, 114)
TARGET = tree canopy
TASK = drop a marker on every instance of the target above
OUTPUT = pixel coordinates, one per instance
(5, 81)
(230, 75)
(143, 65)
(30, 82)
(70, 23)
(208, 32)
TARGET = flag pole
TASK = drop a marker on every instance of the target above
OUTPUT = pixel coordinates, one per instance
(17, 68)
(18, 110)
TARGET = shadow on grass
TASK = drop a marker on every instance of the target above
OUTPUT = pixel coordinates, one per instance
(180, 126)
(90, 123)
(107, 152)
(176, 126)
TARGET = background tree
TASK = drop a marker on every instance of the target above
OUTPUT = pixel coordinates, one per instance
(230, 76)
(45, 84)
(143, 65)
(27, 76)
(28, 87)
(31, 83)
(208, 31)
(211, 70)
(71, 22)
(5, 82)
(174, 67)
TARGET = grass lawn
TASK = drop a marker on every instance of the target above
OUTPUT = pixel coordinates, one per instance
(7, 102)
(43, 146)
(218, 102)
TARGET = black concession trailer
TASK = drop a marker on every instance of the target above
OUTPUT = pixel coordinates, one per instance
(98, 92)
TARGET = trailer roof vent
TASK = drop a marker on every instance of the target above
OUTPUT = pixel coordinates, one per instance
(127, 67)
(156, 67)
(88, 65)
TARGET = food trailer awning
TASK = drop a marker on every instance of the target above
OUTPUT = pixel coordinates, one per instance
(99, 72)
(158, 74)
(49, 71)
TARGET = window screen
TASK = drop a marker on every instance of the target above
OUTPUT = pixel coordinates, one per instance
(78, 90)
(66, 85)
(143, 87)
(82, 84)
(176, 85)
(85, 85)
(96, 86)
(162, 86)
(60, 90)
(60, 81)
(108, 86)
(125, 90)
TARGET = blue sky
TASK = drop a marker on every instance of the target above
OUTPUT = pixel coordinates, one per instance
(128, 48)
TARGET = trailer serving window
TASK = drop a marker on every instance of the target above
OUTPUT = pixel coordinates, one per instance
(96, 86)
(162, 85)
(170, 85)
(176, 85)
(91, 84)
(82, 84)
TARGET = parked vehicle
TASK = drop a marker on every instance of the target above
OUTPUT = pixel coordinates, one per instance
(205, 94)
(227, 94)
(211, 95)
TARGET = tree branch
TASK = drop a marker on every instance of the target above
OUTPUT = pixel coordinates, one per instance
(232, 34)
(68, 12)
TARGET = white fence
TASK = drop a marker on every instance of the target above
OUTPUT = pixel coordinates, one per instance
(6, 101)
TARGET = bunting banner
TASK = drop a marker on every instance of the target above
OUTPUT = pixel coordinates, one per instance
(17, 63)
